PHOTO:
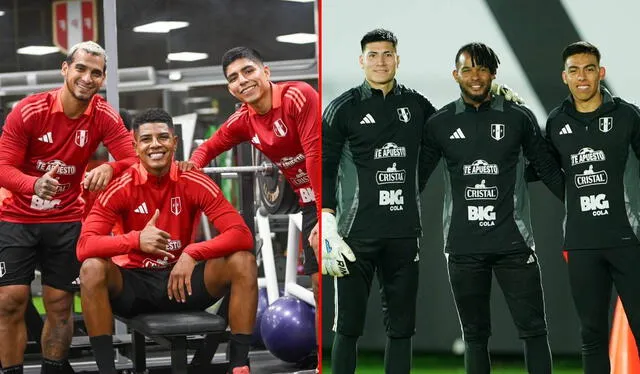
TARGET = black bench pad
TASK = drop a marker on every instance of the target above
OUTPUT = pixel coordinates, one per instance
(184, 323)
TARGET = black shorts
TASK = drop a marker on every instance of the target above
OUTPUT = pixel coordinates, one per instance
(49, 246)
(518, 275)
(145, 291)
(309, 220)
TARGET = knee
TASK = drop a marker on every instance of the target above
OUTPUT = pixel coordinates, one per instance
(242, 265)
(13, 301)
(93, 273)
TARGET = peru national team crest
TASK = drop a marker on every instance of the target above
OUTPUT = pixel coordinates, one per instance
(176, 206)
(280, 128)
(404, 114)
(81, 137)
(3, 269)
(605, 124)
(497, 131)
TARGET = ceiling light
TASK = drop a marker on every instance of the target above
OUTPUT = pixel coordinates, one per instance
(2, 13)
(197, 100)
(175, 75)
(297, 38)
(37, 50)
(161, 26)
(301, 1)
(187, 56)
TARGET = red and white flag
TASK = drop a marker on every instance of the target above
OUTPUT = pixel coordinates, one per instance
(74, 21)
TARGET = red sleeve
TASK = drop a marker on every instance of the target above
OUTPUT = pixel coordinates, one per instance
(234, 235)
(303, 103)
(13, 148)
(116, 138)
(232, 132)
(96, 239)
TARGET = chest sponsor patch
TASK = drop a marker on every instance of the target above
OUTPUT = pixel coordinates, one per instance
(591, 178)
(587, 155)
(391, 175)
(479, 167)
(389, 150)
(481, 191)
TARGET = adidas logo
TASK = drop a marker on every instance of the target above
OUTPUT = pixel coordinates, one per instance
(458, 134)
(566, 129)
(531, 259)
(368, 119)
(142, 209)
(417, 257)
(76, 282)
(255, 139)
(46, 138)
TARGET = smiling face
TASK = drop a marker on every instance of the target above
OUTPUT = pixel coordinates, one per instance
(379, 62)
(475, 81)
(84, 76)
(248, 80)
(582, 74)
(155, 145)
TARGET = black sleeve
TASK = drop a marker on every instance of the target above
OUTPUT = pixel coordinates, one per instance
(539, 154)
(635, 131)
(334, 136)
(430, 153)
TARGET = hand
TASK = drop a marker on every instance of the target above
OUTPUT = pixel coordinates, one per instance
(98, 178)
(181, 275)
(47, 185)
(334, 249)
(153, 240)
(314, 240)
(508, 93)
(186, 165)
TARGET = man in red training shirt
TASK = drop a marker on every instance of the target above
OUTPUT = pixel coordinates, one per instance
(47, 140)
(159, 268)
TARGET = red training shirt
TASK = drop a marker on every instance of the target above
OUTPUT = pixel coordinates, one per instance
(289, 135)
(36, 136)
(131, 201)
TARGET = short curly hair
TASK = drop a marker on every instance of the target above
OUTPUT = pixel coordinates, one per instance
(152, 115)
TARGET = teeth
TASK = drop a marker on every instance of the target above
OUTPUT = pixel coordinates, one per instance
(156, 156)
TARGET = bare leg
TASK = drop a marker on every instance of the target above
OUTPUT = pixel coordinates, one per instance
(58, 327)
(13, 330)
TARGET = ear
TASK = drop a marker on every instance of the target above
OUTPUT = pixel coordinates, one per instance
(564, 77)
(267, 71)
(64, 68)
(455, 75)
(361, 60)
(602, 72)
(397, 61)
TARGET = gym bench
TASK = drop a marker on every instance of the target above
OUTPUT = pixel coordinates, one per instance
(172, 331)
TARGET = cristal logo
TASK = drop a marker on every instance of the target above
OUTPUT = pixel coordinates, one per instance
(391, 175)
(591, 178)
(481, 192)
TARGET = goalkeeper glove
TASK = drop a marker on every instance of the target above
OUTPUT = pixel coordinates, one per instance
(508, 93)
(334, 249)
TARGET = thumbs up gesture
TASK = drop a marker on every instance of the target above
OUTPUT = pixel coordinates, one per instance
(153, 240)
(47, 185)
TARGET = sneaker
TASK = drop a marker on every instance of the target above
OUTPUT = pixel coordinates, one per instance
(241, 370)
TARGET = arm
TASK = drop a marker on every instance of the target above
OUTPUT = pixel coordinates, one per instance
(334, 136)
(13, 147)
(542, 159)
(96, 239)
(234, 235)
(635, 131)
(120, 144)
(430, 153)
(307, 117)
(230, 133)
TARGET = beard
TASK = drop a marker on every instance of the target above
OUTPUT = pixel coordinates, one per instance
(80, 97)
(477, 98)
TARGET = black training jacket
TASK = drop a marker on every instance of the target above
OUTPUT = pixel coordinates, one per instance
(370, 148)
(599, 153)
(486, 151)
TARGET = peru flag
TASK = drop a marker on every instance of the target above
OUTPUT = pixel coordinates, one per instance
(74, 21)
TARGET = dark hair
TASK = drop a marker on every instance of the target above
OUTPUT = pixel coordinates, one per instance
(481, 55)
(238, 53)
(580, 47)
(378, 35)
(152, 115)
